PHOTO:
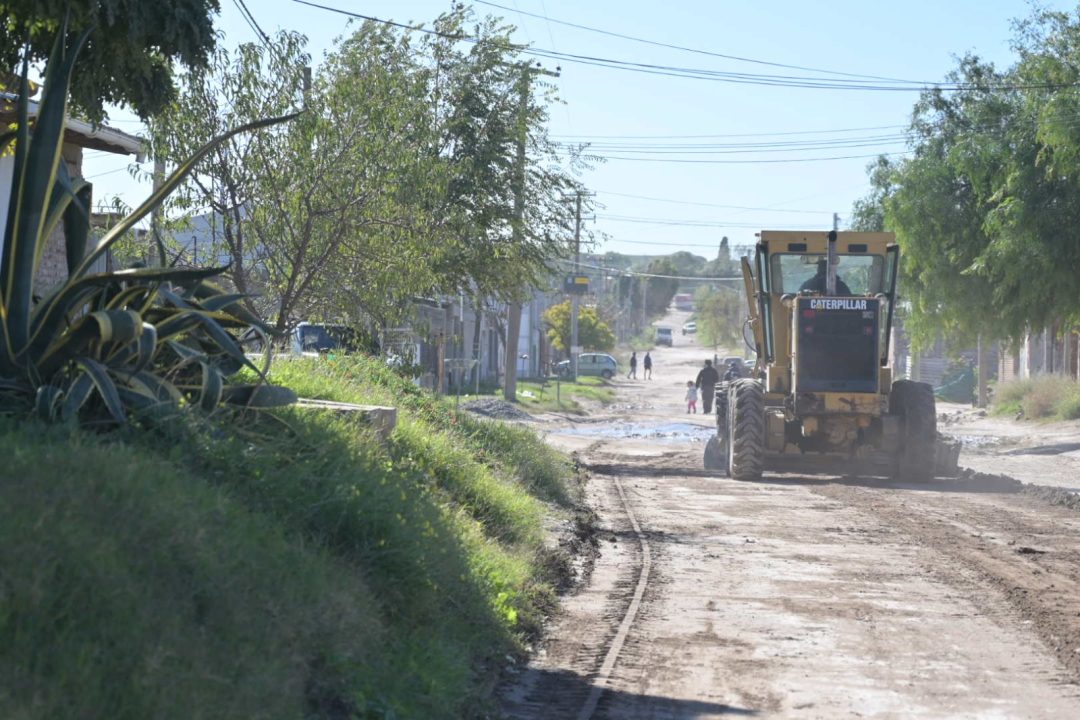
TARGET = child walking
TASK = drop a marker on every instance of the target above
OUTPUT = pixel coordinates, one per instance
(691, 397)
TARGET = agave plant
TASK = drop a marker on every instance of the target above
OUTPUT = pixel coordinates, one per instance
(116, 343)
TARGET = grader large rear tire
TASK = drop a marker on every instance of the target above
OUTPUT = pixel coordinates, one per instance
(746, 425)
(913, 402)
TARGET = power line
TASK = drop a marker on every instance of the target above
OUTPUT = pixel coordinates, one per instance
(635, 273)
(727, 135)
(698, 51)
(689, 223)
(694, 73)
(746, 162)
(252, 23)
(711, 205)
(731, 149)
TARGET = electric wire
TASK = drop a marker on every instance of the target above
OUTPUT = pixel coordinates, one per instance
(696, 73)
(252, 23)
(693, 50)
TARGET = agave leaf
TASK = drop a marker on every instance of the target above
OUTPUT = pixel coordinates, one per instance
(217, 334)
(52, 312)
(212, 387)
(99, 328)
(127, 297)
(155, 386)
(77, 395)
(146, 407)
(46, 402)
(69, 202)
(206, 289)
(77, 224)
(147, 346)
(99, 374)
(36, 184)
(22, 144)
(168, 186)
(221, 302)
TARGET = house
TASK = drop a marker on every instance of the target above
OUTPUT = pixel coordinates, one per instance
(1049, 352)
(79, 136)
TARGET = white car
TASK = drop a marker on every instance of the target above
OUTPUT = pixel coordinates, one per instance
(689, 328)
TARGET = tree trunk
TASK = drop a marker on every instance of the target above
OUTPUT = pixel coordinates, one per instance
(984, 372)
(513, 329)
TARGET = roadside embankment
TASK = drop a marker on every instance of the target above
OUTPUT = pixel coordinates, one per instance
(279, 565)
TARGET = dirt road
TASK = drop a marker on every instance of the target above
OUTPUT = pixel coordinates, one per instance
(802, 596)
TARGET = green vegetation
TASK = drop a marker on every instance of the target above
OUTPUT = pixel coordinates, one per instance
(103, 344)
(282, 565)
(593, 333)
(984, 206)
(570, 395)
(136, 49)
(1045, 397)
(719, 314)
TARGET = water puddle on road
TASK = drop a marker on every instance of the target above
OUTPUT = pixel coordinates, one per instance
(666, 432)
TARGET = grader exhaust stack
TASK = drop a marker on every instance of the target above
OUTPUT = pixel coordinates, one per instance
(820, 311)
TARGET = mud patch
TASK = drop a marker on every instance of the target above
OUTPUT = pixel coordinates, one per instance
(672, 432)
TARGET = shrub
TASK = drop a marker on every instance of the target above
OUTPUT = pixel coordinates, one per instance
(139, 339)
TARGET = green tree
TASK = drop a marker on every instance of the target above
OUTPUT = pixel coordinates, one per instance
(325, 217)
(128, 60)
(593, 333)
(719, 315)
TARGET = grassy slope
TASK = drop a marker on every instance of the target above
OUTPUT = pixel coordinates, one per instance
(286, 567)
(1043, 397)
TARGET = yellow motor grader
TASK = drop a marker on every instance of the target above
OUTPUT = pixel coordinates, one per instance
(820, 314)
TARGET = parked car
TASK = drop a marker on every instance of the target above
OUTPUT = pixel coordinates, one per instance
(689, 328)
(322, 338)
(595, 364)
(663, 336)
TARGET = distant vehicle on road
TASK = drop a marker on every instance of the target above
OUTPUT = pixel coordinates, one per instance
(689, 328)
(595, 364)
(664, 336)
(683, 301)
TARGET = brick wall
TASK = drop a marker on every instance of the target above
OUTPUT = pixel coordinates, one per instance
(53, 268)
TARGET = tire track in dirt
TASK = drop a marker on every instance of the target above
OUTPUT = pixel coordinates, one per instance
(568, 679)
(616, 644)
(1026, 549)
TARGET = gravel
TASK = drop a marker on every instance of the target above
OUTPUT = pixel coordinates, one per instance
(495, 409)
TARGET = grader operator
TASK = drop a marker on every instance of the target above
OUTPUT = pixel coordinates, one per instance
(823, 382)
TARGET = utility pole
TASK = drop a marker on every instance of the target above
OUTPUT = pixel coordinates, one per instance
(575, 299)
(513, 320)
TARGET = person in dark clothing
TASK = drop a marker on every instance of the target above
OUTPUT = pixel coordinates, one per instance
(706, 381)
(646, 364)
(733, 372)
(633, 366)
(819, 282)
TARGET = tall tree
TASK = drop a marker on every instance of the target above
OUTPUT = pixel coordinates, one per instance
(128, 59)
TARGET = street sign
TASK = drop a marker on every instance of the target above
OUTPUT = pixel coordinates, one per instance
(576, 349)
(576, 284)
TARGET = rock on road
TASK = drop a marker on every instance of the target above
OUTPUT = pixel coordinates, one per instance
(801, 595)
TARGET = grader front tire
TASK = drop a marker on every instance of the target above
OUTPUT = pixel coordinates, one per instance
(913, 402)
(746, 444)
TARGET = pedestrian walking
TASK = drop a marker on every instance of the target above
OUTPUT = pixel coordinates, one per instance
(706, 382)
(691, 397)
(646, 364)
(633, 365)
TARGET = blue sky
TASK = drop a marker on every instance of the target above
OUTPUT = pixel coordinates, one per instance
(654, 205)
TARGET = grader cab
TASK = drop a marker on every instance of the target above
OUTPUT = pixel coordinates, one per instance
(820, 314)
